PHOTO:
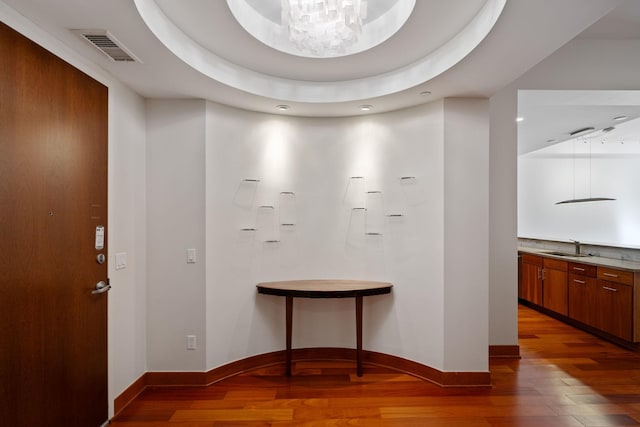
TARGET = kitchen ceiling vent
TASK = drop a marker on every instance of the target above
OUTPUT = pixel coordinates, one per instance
(108, 44)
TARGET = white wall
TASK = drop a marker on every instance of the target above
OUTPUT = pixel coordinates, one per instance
(175, 223)
(550, 175)
(126, 217)
(580, 64)
(466, 230)
(127, 234)
(503, 268)
(315, 158)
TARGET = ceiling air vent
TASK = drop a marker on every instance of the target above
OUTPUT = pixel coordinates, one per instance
(108, 44)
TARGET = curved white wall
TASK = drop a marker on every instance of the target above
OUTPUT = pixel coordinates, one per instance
(315, 159)
(437, 313)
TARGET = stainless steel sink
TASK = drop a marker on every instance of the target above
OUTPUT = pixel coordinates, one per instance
(558, 253)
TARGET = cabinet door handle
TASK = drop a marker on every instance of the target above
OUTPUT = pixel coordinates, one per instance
(609, 274)
(582, 282)
(578, 269)
(609, 289)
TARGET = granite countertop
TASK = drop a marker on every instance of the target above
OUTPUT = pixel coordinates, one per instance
(591, 260)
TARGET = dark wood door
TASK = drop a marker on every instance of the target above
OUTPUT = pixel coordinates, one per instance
(53, 195)
(531, 282)
(554, 288)
(615, 314)
(583, 299)
(555, 291)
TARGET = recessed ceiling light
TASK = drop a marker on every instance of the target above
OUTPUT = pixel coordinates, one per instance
(282, 107)
(425, 93)
(366, 107)
(551, 140)
(619, 118)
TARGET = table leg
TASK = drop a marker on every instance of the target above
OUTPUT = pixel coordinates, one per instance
(289, 317)
(359, 334)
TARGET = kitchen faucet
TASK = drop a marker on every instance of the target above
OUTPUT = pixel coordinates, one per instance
(577, 246)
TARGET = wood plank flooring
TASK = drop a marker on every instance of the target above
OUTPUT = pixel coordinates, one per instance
(565, 377)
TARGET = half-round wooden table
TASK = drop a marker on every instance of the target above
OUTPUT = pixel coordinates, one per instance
(324, 289)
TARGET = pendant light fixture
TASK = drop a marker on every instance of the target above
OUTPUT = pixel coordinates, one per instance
(324, 27)
(590, 198)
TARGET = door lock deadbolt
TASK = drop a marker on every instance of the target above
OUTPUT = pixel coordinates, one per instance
(101, 258)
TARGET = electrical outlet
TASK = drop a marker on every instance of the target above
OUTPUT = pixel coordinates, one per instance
(191, 342)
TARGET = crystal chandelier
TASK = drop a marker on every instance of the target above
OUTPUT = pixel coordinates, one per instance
(324, 28)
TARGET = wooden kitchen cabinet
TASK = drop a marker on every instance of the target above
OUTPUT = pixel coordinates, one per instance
(554, 286)
(531, 287)
(614, 275)
(583, 289)
(615, 309)
(615, 302)
(588, 293)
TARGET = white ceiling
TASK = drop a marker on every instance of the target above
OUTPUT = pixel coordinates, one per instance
(550, 116)
(525, 33)
(261, 70)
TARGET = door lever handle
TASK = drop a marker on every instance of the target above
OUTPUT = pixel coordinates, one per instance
(101, 287)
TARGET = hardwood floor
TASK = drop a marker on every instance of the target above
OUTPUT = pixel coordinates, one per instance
(565, 377)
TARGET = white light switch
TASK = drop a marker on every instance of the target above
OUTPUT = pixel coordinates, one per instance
(121, 260)
(191, 342)
(191, 256)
